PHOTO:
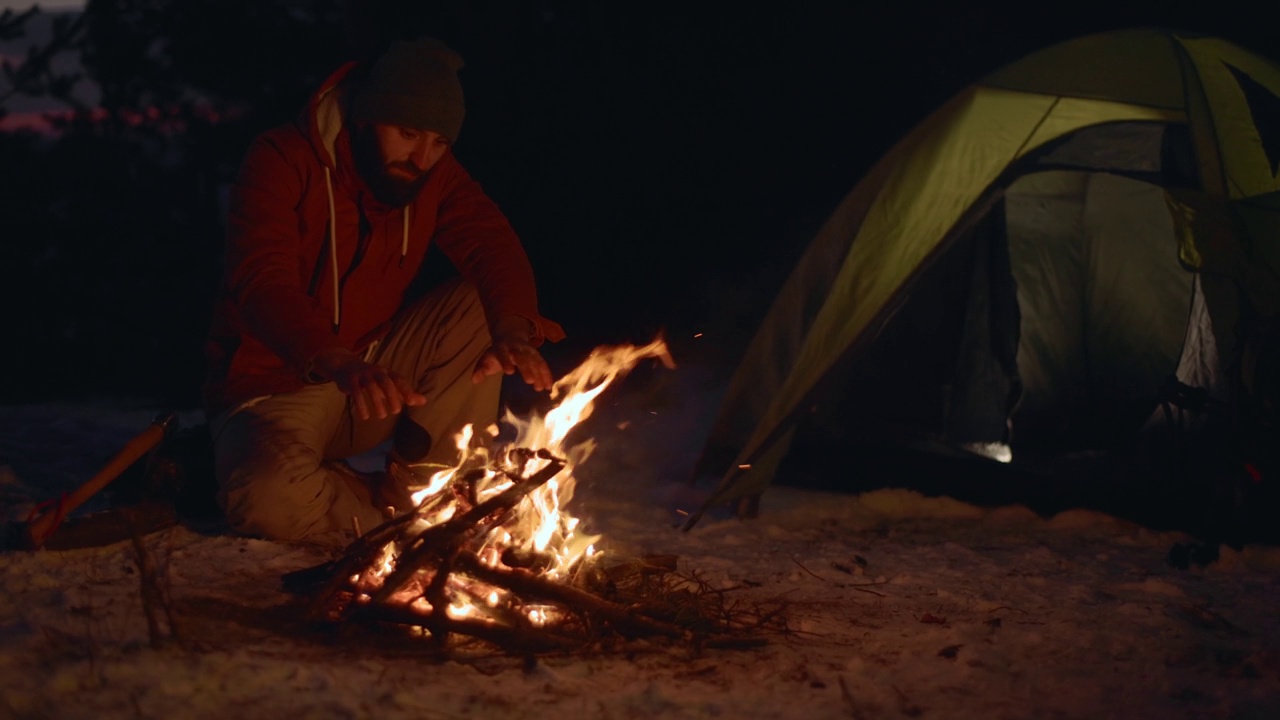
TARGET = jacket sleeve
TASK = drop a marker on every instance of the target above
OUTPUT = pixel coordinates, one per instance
(477, 237)
(263, 246)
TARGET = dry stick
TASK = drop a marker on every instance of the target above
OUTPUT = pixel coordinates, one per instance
(734, 643)
(730, 615)
(429, 544)
(358, 555)
(527, 639)
(438, 597)
(905, 706)
(525, 583)
(761, 619)
(859, 587)
(854, 711)
(149, 588)
(802, 567)
(164, 591)
(503, 501)
(153, 588)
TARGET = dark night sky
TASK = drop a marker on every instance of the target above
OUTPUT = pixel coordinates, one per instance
(666, 163)
(666, 168)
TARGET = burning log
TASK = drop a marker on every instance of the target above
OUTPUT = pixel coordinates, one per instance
(442, 542)
(520, 639)
(526, 583)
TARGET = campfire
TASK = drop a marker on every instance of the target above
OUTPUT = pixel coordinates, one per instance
(491, 552)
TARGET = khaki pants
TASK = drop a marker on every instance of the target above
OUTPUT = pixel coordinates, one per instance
(278, 459)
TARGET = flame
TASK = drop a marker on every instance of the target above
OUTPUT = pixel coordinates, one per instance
(539, 534)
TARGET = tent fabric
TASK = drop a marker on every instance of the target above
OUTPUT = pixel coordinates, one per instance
(1146, 106)
(1103, 298)
(986, 377)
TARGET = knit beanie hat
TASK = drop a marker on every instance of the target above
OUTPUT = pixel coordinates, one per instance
(414, 84)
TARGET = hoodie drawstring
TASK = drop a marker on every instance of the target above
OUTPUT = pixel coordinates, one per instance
(333, 250)
(333, 247)
(404, 240)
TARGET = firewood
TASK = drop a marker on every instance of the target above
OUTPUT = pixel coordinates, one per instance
(518, 638)
(437, 595)
(526, 584)
(357, 556)
(433, 543)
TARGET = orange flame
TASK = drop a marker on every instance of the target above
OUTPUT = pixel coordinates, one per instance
(538, 527)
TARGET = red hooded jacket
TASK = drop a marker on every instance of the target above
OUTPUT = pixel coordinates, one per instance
(277, 306)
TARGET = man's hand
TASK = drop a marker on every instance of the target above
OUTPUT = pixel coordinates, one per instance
(513, 350)
(371, 387)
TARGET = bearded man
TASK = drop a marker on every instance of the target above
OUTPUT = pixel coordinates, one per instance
(319, 349)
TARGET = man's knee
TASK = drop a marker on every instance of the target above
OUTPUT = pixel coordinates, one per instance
(462, 306)
(271, 501)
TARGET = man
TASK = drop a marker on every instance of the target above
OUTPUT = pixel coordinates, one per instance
(317, 350)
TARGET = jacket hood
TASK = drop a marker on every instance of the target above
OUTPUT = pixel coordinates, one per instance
(325, 114)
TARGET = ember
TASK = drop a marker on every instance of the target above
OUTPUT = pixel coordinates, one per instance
(490, 551)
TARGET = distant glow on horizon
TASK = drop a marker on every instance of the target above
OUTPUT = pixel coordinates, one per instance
(45, 5)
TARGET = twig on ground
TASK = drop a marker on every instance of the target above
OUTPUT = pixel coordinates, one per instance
(155, 599)
(847, 696)
(802, 567)
(905, 706)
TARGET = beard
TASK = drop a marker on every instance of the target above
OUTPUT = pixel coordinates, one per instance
(394, 184)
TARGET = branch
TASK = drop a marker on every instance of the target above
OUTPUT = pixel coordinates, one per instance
(34, 76)
(523, 639)
(526, 584)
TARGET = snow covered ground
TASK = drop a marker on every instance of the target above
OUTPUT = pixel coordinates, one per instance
(897, 605)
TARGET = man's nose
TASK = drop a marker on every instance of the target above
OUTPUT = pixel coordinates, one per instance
(420, 156)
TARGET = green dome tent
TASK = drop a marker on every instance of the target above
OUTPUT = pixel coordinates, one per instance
(1080, 248)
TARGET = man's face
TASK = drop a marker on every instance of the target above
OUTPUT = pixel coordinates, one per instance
(394, 160)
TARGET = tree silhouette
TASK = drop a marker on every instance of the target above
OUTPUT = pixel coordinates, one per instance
(35, 75)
